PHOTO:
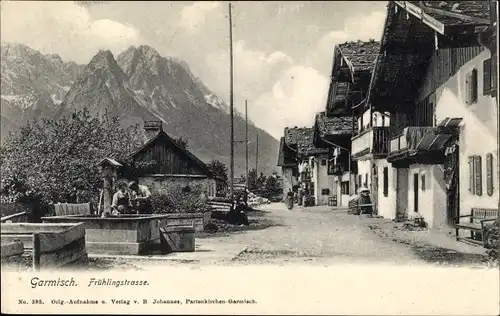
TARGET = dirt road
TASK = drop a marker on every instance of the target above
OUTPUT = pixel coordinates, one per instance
(313, 235)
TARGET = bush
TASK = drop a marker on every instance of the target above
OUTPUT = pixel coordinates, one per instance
(179, 200)
(491, 236)
(47, 161)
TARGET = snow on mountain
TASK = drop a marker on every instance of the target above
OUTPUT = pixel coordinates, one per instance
(138, 85)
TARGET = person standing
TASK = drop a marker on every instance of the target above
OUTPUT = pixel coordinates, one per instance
(301, 196)
(141, 198)
(245, 197)
(289, 199)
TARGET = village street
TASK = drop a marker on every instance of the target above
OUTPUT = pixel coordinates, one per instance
(314, 235)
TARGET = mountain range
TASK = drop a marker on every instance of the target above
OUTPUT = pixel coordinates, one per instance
(138, 85)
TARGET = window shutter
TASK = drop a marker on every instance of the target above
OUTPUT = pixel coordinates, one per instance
(471, 175)
(486, 76)
(489, 174)
(386, 181)
(474, 90)
(478, 175)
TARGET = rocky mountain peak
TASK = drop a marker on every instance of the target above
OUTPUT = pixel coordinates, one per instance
(148, 51)
(103, 58)
(139, 85)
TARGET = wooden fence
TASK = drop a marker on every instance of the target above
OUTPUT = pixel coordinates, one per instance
(15, 218)
(72, 209)
(52, 245)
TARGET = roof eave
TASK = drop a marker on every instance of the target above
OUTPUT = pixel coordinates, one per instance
(435, 24)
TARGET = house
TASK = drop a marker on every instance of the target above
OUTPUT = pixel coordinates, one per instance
(335, 133)
(305, 165)
(163, 163)
(314, 163)
(436, 77)
(352, 66)
(287, 159)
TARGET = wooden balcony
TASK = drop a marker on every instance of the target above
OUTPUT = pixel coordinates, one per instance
(340, 165)
(336, 169)
(372, 142)
(403, 147)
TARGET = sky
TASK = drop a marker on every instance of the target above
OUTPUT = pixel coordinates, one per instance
(282, 50)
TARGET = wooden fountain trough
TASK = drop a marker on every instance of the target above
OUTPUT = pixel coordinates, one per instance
(127, 234)
(51, 245)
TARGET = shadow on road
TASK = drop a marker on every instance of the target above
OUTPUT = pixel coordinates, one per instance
(446, 256)
(225, 229)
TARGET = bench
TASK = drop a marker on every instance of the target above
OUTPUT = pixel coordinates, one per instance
(357, 208)
(332, 201)
(478, 219)
(219, 210)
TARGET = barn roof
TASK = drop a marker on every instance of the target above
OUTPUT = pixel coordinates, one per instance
(196, 161)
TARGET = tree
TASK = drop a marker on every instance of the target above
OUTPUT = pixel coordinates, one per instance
(262, 180)
(46, 160)
(219, 171)
(272, 184)
(252, 181)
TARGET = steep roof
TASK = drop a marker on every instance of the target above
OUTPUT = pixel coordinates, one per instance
(337, 125)
(305, 143)
(292, 134)
(461, 19)
(360, 55)
(196, 161)
(353, 63)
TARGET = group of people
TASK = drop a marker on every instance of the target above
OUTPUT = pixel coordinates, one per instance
(131, 198)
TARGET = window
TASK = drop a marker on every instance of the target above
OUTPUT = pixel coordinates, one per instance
(366, 180)
(386, 181)
(487, 76)
(323, 162)
(423, 182)
(325, 191)
(471, 87)
(475, 177)
(311, 188)
(489, 174)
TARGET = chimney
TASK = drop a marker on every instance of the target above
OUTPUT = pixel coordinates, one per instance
(152, 128)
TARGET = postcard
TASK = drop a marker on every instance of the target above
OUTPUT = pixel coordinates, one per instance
(250, 157)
